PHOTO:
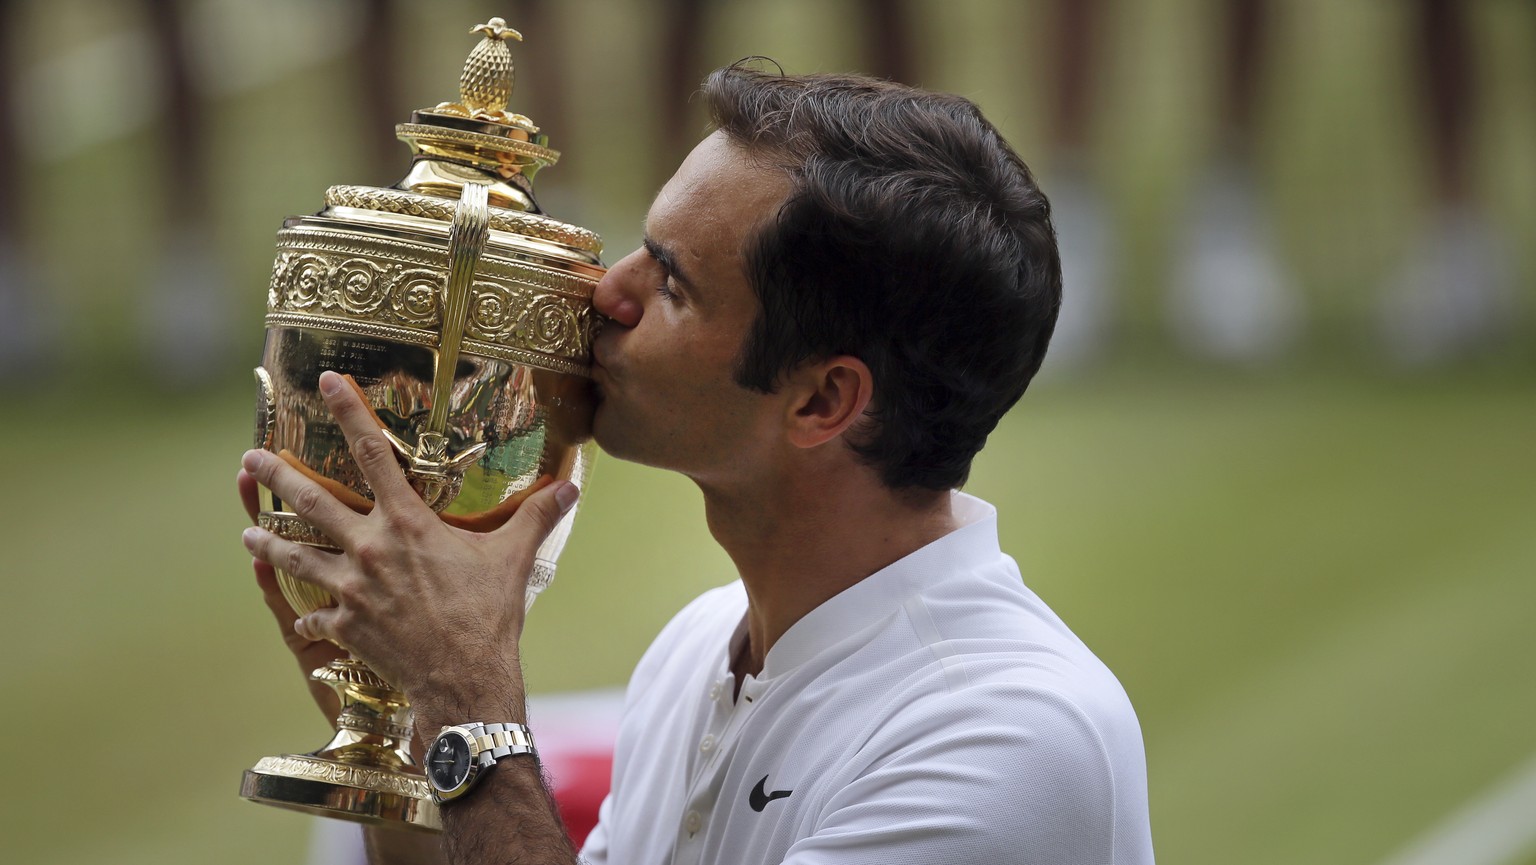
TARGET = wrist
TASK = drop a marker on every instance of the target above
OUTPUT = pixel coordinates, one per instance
(491, 693)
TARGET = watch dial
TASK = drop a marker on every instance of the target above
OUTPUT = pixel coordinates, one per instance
(448, 763)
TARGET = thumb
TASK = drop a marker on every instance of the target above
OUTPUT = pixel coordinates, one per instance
(538, 516)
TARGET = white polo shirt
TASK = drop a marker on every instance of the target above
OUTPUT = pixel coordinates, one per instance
(936, 712)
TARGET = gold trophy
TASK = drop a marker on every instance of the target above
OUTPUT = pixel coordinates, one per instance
(464, 315)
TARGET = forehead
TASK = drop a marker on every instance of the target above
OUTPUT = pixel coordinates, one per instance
(714, 200)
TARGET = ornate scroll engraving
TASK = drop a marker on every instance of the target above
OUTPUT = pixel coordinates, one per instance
(415, 299)
(395, 290)
(376, 726)
(542, 575)
(492, 143)
(291, 528)
(428, 207)
(340, 773)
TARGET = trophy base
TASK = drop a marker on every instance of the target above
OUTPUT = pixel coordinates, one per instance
(346, 791)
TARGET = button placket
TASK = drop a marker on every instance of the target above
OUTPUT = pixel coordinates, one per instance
(725, 724)
(720, 719)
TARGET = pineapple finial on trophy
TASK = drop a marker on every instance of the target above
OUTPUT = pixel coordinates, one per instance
(477, 139)
(485, 87)
(486, 84)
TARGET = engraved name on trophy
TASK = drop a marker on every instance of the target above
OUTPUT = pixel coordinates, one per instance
(464, 314)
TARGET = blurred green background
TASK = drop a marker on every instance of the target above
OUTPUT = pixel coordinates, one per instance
(1314, 571)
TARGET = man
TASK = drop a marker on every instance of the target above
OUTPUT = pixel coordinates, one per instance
(840, 293)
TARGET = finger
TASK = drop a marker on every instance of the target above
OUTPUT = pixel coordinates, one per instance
(319, 625)
(343, 493)
(249, 495)
(539, 515)
(301, 494)
(374, 454)
(297, 560)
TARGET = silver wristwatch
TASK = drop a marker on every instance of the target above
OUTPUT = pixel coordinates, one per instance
(461, 754)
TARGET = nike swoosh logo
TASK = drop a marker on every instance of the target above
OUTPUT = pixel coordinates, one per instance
(761, 797)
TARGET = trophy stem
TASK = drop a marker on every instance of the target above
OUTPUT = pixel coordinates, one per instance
(366, 772)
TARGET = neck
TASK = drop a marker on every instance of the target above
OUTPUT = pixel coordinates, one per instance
(796, 544)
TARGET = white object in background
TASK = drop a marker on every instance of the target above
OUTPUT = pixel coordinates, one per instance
(27, 327)
(188, 323)
(1084, 238)
(1496, 828)
(1230, 299)
(1451, 296)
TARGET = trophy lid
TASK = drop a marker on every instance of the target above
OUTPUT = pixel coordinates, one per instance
(457, 257)
(476, 140)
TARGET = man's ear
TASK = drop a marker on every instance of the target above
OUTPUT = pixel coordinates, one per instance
(828, 396)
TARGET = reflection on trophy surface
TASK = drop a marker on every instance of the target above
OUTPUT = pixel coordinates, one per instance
(463, 314)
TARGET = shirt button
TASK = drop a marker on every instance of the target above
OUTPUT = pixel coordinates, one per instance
(714, 691)
(707, 744)
(692, 822)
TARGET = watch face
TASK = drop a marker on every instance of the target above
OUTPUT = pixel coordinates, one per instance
(449, 760)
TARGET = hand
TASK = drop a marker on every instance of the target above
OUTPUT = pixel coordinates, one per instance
(435, 610)
(311, 654)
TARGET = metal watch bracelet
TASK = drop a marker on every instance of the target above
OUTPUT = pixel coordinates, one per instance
(494, 741)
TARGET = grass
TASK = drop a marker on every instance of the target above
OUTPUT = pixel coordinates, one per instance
(1315, 587)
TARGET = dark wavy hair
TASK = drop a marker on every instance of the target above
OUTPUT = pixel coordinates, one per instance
(914, 239)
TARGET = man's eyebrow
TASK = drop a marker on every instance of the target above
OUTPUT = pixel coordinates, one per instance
(667, 260)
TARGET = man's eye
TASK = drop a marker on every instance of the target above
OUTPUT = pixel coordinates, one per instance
(665, 290)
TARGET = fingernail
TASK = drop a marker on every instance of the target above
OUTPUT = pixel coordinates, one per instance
(250, 460)
(330, 382)
(298, 627)
(249, 536)
(566, 496)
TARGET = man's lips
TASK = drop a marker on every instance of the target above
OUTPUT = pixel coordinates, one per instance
(598, 351)
(601, 378)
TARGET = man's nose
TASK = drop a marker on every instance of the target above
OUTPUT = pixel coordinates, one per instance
(614, 296)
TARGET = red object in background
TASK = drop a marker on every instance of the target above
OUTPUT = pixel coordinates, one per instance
(581, 781)
(575, 734)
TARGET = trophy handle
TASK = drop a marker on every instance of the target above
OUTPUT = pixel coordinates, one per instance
(435, 475)
(466, 241)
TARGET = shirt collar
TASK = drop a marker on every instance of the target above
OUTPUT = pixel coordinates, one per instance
(974, 544)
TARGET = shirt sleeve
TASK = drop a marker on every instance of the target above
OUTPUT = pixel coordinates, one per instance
(594, 851)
